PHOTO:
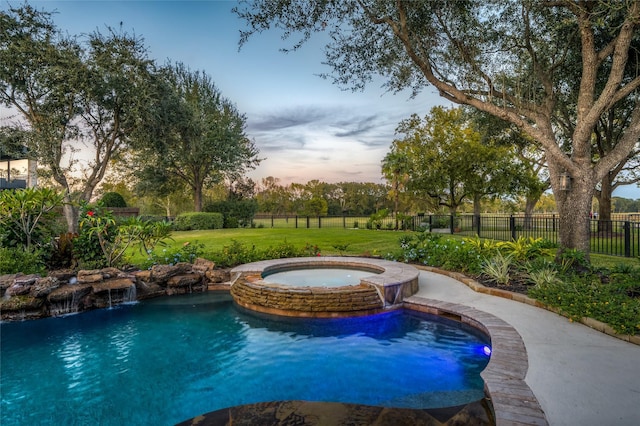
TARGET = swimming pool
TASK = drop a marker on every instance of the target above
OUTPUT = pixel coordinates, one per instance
(164, 360)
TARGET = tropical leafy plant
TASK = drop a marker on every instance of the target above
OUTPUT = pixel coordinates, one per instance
(498, 268)
(26, 214)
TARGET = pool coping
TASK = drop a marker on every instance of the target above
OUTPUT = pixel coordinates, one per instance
(514, 403)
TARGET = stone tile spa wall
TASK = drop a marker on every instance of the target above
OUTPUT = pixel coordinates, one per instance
(250, 293)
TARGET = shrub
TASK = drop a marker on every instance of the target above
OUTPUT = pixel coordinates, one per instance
(585, 296)
(197, 221)
(376, 219)
(527, 248)
(439, 251)
(103, 241)
(237, 213)
(543, 277)
(113, 199)
(19, 259)
(236, 253)
(281, 251)
(497, 269)
(574, 260)
(60, 254)
(27, 216)
(86, 247)
(189, 252)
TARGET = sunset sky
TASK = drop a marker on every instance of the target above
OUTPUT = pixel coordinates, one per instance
(305, 126)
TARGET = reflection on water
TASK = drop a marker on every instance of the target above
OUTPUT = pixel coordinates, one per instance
(166, 360)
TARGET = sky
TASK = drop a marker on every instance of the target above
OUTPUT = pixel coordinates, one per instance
(304, 126)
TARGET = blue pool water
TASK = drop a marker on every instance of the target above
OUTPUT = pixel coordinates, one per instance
(165, 360)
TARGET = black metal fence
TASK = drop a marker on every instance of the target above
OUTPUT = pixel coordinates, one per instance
(611, 237)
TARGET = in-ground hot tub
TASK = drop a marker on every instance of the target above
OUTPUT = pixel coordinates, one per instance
(382, 285)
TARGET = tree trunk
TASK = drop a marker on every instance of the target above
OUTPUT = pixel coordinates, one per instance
(604, 205)
(476, 210)
(395, 201)
(197, 198)
(71, 215)
(574, 207)
(529, 205)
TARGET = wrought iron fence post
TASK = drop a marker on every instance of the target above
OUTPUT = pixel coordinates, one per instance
(627, 238)
(512, 227)
(296, 221)
(478, 224)
(307, 222)
(319, 222)
(272, 221)
(451, 219)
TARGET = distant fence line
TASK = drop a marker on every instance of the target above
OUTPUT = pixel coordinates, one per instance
(611, 237)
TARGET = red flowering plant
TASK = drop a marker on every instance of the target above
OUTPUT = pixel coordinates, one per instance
(96, 228)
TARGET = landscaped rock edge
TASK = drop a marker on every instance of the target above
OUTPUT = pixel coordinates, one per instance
(512, 400)
(476, 286)
(24, 297)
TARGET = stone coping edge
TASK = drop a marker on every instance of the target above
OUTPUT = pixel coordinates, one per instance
(514, 403)
(389, 273)
(479, 288)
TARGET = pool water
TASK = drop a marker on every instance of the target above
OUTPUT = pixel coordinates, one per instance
(318, 277)
(165, 360)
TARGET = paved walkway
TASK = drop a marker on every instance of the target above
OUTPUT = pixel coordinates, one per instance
(580, 376)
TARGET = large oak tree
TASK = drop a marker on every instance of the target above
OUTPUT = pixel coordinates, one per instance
(507, 58)
(192, 134)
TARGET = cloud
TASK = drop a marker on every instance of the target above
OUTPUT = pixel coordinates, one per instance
(356, 126)
(287, 118)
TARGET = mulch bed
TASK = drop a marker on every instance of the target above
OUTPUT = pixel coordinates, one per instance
(517, 285)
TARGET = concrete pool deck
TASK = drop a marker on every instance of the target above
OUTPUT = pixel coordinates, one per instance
(579, 376)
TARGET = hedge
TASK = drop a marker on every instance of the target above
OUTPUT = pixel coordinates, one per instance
(198, 221)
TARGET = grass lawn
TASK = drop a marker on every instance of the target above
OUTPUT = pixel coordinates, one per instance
(358, 242)
(330, 241)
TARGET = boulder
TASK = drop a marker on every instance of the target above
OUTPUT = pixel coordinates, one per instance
(44, 286)
(218, 276)
(162, 273)
(67, 292)
(6, 281)
(89, 278)
(63, 275)
(202, 266)
(148, 290)
(19, 308)
(184, 280)
(22, 285)
(113, 284)
(112, 292)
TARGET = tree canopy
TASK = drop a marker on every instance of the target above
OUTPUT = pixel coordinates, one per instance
(193, 134)
(511, 59)
(444, 157)
(71, 95)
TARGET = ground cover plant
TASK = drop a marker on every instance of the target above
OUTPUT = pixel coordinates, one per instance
(607, 290)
